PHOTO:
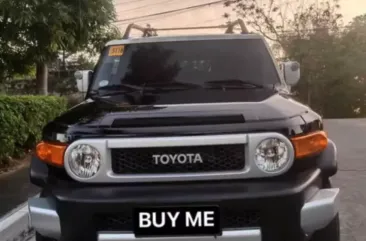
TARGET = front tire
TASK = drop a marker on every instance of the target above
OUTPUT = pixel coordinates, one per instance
(329, 233)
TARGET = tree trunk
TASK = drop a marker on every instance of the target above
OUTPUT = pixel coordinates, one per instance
(309, 93)
(63, 60)
(42, 78)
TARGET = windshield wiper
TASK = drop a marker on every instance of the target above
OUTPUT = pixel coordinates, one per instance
(232, 84)
(158, 86)
(110, 90)
(172, 86)
(151, 87)
(129, 90)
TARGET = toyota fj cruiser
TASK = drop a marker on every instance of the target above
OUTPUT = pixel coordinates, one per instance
(186, 137)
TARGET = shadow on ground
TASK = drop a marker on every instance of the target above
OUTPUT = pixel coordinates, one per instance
(15, 189)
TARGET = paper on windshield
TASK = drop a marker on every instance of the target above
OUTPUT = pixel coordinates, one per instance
(116, 50)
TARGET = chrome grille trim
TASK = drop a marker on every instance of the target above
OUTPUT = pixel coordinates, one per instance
(250, 141)
(201, 159)
(177, 141)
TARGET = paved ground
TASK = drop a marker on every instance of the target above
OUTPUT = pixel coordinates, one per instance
(350, 137)
(15, 189)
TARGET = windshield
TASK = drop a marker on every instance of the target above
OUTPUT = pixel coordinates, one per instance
(193, 62)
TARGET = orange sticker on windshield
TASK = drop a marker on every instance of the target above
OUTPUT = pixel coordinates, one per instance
(116, 50)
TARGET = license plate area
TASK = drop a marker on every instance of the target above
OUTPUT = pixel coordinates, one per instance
(177, 221)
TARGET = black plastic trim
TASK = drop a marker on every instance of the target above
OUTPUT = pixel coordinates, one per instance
(199, 191)
(38, 172)
(327, 160)
(279, 202)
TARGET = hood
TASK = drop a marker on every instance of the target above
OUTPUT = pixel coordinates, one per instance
(100, 114)
(98, 119)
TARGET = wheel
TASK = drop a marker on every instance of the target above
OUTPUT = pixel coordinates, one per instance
(329, 233)
(41, 238)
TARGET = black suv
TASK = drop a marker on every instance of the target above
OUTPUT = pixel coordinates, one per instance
(182, 138)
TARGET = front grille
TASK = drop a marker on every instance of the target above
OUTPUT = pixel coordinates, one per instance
(230, 219)
(214, 158)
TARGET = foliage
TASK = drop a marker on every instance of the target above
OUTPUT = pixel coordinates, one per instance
(61, 81)
(47, 26)
(84, 62)
(34, 31)
(332, 74)
(74, 99)
(278, 20)
(100, 38)
(21, 121)
(64, 81)
(354, 42)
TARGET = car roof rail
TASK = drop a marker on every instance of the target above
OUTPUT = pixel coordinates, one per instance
(148, 31)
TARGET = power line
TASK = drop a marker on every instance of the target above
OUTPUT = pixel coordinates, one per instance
(148, 19)
(302, 30)
(206, 21)
(146, 5)
(171, 11)
(158, 18)
(127, 2)
(155, 18)
(169, 14)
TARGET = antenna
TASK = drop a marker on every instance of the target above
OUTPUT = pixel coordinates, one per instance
(148, 31)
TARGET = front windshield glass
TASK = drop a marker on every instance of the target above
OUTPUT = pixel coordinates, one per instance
(186, 62)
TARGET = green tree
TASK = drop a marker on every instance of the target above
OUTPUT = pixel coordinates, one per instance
(63, 81)
(277, 21)
(354, 56)
(99, 38)
(313, 35)
(13, 46)
(43, 28)
(354, 40)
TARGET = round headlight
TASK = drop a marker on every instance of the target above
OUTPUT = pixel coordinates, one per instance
(84, 161)
(272, 155)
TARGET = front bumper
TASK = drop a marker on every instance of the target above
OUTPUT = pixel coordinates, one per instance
(234, 235)
(290, 209)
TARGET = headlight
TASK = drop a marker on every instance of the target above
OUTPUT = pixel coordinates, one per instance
(272, 155)
(84, 161)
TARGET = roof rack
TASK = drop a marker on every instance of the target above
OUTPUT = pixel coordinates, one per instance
(148, 31)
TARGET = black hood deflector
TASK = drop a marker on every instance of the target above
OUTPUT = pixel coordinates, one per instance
(103, 114)
(101, 119)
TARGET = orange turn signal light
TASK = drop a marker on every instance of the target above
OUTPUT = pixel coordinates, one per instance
(51, 153)
(310, 144)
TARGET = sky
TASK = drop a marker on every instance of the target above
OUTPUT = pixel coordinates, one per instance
(210, 15)
(352, 8)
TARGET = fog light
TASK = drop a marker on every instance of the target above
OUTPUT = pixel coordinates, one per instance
(84, 161)
(272, 155)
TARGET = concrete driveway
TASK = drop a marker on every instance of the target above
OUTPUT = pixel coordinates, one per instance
(350, 137)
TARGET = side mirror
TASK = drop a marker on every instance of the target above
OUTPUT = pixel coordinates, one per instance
(291, 72)
(83, 79)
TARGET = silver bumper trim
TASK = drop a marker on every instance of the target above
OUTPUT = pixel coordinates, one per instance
(320, 210)
(316, 214)
(234, 235)
(44, 218)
